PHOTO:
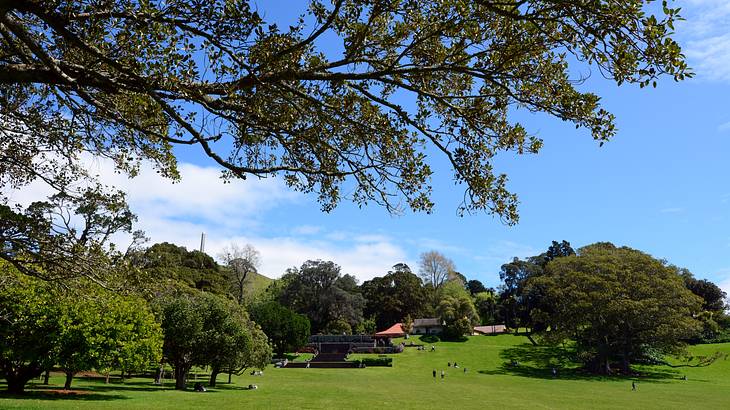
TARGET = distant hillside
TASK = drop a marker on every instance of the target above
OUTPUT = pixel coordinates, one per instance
(256, 284)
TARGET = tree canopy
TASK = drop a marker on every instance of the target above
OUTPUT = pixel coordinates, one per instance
(617, 304)
(42, 326)
(332, 301)
(166, 261)
(393, 297)
(130, 80)
(205, 330)
(287, 330)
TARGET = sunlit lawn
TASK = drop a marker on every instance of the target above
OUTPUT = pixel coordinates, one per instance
(490, 382)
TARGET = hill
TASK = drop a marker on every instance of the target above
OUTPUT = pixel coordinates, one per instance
(255, 284)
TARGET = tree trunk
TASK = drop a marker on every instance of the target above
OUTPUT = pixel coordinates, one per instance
(106, 378)
(16, 385)
(213, 375)
(625, 362)
(46, 376)
(229, 377)
(18, 379)
(181, 373)
(69, 378)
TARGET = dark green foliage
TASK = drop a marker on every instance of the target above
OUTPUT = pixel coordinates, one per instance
(516, 303)
(513, 300)
(556, 250)
(389, 299)
(330, 301)
(474, 286)
(193, 268)
(713, 298)
(287, 330)
(715, 319)
(616, 304)
(30, 328)
(375, 361)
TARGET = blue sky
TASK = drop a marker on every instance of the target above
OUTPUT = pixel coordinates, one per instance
(661, 186)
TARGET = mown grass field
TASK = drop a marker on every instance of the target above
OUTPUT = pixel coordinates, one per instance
(490, 382)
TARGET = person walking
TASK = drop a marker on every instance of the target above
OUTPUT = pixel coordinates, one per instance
(442, 374)
(434, 374)
(633, 385)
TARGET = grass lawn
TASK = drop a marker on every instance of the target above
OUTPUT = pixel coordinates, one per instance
(490, 382)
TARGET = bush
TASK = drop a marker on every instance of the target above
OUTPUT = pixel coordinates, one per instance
(375, 361)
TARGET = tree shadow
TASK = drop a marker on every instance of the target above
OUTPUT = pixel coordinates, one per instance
(58, 395)
(429, 338)
(538, 362)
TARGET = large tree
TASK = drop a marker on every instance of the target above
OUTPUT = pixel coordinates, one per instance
(205, 330)
(106, 331)
(321, 102)
(286, 329)
(517, 302)
(617, 305)
(30, 326)
(331, 301)
(77, 329)
(393, 297)
(457, 311)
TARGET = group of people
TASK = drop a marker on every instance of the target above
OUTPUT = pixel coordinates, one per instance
(443, 373)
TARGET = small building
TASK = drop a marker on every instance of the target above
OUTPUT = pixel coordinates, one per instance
(427, 326)
(383, 338)
(489, 330)
(394, 331)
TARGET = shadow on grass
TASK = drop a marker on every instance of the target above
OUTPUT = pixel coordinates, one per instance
(94, 389)
(56, 395)
(429, 338)
(537, 362)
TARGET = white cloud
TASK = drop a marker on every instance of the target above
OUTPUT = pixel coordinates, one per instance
(705, 36)
(235, 212)
(724, 127)
(364, 259)
(710, 57)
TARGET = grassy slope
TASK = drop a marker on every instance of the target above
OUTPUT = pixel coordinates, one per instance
(255, 284)
(409, 384)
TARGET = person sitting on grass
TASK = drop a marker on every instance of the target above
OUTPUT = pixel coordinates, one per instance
(199, 387)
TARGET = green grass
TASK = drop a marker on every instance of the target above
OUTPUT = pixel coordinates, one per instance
(489, 383)
(255, 284)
